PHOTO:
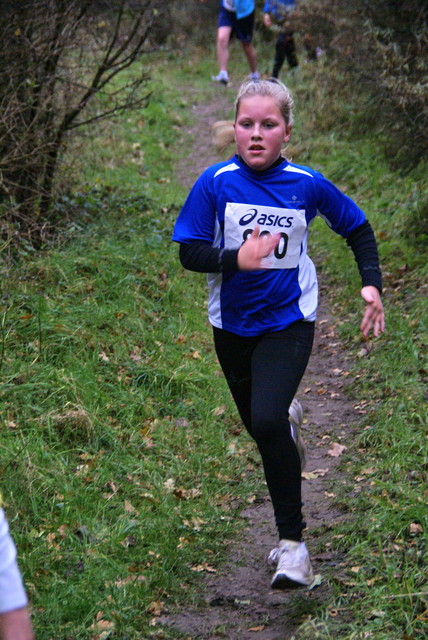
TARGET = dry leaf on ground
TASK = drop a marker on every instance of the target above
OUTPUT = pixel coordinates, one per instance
(336, 449)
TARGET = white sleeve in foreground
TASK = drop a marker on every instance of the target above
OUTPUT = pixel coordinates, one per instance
(12, 593)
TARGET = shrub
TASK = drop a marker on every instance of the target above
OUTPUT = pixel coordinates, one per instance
(56, 57)
(375, 52)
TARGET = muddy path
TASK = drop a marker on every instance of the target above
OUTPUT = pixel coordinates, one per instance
(237, 602)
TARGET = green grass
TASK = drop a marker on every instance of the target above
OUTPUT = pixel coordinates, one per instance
(384, 592)
(122, 472)
(117, 473)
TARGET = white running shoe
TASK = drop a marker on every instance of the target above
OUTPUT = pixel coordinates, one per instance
(222, 78)
(295, 414)
(293, 566)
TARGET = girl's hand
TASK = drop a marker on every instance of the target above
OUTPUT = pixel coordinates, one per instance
(255, 248)
(374, 316)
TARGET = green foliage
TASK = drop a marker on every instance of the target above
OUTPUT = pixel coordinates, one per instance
(377, 66)
(381, 589)
(58, 60)
(118, 471)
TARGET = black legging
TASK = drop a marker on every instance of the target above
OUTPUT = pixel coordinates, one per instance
(284, 48)
(263, 374)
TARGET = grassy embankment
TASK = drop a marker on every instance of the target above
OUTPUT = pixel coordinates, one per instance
(122, 472)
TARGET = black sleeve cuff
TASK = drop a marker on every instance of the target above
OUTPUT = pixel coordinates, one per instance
(229, 260)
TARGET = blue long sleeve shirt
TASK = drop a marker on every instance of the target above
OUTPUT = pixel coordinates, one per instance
(278, 8)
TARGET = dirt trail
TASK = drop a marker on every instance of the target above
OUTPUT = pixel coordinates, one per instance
(238, 602)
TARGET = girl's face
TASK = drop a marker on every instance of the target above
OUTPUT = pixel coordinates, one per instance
(260, 131)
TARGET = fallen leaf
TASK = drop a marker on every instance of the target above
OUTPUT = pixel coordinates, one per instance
(148, 496)
(184, 494)
(204, 566)
(156, 608)
(336, 449)
(415, 529)
(101, 627)
(195, 523)
(129, 508)
(169, 484)
(182, 542)
(219, 411)
(259, 628)
(122, 582)
(312, 475)
(368, 471)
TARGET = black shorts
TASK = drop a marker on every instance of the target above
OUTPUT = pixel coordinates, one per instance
(243, 28)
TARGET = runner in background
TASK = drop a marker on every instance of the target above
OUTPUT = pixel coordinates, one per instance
(237, 17)
(277, 13)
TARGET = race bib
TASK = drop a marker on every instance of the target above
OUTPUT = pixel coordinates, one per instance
(241, 219)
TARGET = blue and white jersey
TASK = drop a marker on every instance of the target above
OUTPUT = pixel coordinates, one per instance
(242, 8)
(222, 209)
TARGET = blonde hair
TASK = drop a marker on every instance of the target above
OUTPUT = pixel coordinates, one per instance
(272, 88)
(223, 130)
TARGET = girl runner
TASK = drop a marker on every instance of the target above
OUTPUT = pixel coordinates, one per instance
(245, 223)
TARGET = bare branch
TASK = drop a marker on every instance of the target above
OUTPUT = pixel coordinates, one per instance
(56, 57)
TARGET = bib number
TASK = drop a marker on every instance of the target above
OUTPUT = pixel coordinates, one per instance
(289, 224)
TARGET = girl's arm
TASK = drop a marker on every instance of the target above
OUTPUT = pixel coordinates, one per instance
(202, 257)
(363, 244)
(362, 241)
